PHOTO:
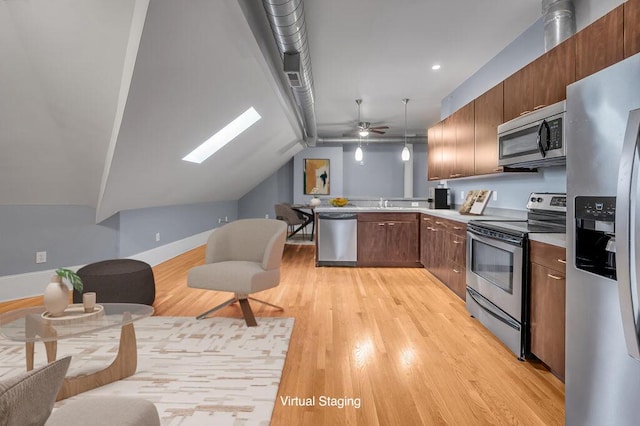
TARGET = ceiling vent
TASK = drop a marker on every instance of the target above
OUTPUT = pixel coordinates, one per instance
(292, 69)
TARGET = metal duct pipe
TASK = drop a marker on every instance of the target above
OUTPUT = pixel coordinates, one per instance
(289, 30)
(410, 140)
(559, 22)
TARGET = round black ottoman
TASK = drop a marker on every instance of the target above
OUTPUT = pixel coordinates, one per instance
(118, 281)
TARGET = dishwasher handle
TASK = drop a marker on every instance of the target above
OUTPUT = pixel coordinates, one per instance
(338, 216)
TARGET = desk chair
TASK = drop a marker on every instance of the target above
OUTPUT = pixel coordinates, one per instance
(290, 216)
(242, 257)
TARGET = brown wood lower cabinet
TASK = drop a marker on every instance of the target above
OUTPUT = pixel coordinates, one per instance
(388, 239)
(443, 251)
(548, 296)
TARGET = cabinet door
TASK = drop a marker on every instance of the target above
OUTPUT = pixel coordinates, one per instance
(371, 242)
(434, 152)
(548, 289)
(600, 44)
(456, 257)
(553, 72)
(488, 115)
(426, 241)
(448, 146)
(465, 147)
(458, 281)
(402, 242)
(518, 93)
(631, 28)
(440, 263)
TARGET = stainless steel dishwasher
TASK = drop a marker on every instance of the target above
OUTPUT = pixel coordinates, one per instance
(337, 239)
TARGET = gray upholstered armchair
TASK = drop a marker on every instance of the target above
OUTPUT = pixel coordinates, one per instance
(242, 257)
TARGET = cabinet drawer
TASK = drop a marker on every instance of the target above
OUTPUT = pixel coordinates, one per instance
(548, 255)
(385, 217)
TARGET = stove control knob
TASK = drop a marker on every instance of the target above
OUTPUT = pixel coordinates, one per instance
(539, 199)
(533, 199)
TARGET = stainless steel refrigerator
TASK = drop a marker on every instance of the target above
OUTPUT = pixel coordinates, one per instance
(603, 232)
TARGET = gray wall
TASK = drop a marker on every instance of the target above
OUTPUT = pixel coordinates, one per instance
(380, 174)
(138, 227)
(336, 179)
(277, 188)
(71, 237)
(420, 182)
(68, 234)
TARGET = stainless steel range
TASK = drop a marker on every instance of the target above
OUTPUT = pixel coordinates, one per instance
(498, 268)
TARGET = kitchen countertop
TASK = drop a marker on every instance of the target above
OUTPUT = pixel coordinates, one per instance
(445, 214)
(558, 240)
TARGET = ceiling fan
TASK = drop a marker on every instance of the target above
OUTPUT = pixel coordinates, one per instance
(364, 127)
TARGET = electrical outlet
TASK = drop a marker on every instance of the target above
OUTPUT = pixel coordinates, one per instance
(415, 204)
(266, 216)
(495, 195)
(226, 219)
(157, 236)
(41, 257)
(462, 195)
(219, 220)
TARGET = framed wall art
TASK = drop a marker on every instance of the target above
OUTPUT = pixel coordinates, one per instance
(316, 176)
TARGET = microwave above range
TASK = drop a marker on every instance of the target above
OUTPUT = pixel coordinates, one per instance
(535, 139)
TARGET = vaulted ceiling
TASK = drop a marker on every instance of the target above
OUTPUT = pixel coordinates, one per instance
(101, 99)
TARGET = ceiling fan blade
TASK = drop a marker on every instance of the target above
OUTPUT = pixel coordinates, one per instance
(380, 132)
(378, 127)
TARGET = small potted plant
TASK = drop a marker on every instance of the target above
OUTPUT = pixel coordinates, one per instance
(56, 294)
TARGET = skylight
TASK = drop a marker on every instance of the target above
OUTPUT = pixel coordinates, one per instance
(223, 136)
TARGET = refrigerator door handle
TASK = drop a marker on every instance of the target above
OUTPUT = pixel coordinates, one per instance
(625, 239)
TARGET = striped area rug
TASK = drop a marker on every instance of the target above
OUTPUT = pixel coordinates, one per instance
(196, 372)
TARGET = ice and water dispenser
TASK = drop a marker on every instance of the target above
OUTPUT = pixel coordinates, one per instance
(595, 235)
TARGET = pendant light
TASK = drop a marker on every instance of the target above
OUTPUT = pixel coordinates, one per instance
(359, 153)
(406, 154)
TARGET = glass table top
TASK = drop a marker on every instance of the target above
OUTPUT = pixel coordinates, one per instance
(34, 325)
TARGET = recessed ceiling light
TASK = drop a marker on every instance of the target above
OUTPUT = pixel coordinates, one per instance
(435, 67)
(223, 136)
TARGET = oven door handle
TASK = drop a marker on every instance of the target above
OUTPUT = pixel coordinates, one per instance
(477, 297)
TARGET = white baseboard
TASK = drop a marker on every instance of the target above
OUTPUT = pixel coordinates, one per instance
(31, 284)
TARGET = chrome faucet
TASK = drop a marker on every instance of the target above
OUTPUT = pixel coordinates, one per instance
(386, 203)
(381, 202)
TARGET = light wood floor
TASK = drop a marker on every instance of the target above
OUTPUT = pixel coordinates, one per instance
(396, 338)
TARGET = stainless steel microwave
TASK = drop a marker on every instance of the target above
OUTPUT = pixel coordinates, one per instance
(536, 139)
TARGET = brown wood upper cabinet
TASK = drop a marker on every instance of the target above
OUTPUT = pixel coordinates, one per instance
(434, 153)
(465, 146)
(553, 72)
(600, 44)
(542, 82)
(631, 27)
(488, 115)
(518, 93)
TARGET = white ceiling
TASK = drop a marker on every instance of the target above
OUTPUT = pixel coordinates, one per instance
(74, 131)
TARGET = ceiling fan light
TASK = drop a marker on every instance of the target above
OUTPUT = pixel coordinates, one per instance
(364, 133)
(359, 154)
(406, 154)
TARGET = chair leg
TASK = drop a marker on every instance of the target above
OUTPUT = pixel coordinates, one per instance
(249, 319)
(220, 306)
(267, 303)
